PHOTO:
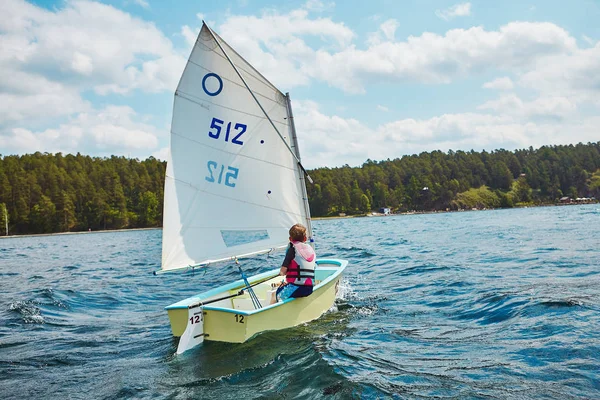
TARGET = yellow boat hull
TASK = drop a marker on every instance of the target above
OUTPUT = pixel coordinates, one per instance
(234, 320)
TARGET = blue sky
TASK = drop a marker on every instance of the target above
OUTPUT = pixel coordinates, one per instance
(376, 79)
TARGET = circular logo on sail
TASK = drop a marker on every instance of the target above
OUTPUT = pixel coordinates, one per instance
(212, 85)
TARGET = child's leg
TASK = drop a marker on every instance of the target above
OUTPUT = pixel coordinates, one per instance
(273, 294)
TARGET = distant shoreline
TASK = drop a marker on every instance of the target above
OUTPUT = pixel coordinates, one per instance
(312, 218)
(77, 233)
(449, 211)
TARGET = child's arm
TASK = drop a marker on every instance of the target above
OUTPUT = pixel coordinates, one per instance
(289, 256)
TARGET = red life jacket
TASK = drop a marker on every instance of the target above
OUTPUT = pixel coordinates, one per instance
(301, 270)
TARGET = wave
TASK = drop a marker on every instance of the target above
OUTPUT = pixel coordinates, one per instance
(392, 243)
(493, 309)
(424, 269)
(562, 303)
(29, 312)
(353, 252)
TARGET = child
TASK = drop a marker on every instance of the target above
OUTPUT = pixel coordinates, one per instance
(298, 267)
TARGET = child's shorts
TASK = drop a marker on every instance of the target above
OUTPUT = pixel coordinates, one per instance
(293, 291)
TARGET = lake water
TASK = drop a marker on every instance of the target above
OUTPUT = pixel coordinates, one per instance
(489, 304)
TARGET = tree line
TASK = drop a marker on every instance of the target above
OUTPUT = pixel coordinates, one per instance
(459, 180)
(45, 193)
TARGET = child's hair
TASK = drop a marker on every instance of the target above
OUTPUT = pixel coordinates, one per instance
(298, 232)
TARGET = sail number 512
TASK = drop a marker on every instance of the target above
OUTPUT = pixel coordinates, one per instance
(215, 174)
(215, 131)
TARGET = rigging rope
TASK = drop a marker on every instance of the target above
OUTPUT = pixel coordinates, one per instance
(251, 293)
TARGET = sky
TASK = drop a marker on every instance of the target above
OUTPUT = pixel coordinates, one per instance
(374, 79)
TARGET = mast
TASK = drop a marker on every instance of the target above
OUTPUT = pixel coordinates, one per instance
(300, 170)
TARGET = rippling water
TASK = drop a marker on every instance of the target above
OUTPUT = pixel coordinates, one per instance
(490, 304)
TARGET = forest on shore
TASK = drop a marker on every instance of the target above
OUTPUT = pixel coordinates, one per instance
(47, 193)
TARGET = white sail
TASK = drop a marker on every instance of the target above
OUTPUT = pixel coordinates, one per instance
(232, 185)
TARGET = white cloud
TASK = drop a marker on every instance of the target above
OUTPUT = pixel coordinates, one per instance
(457, 10)
(589, 40)
(190, 34)
(329, 140)
(542, 107)
(574, 75)
(82, 64)
(162, 154)
(112, 130)
(389, 28)
(387, 31)
(50, 57)
(334, 141)
(318, 5)
(142, 3)
(274, 43)
(74, 46)
(431, 58)
(504, 83)
(382, 108)
(273, 29)
(25, 96)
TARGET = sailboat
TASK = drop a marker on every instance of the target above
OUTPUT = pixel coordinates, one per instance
(234, 186)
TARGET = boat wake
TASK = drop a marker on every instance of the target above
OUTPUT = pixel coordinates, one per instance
(345, 290)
